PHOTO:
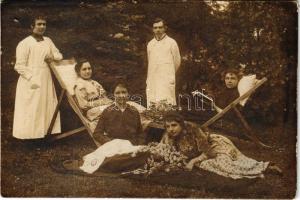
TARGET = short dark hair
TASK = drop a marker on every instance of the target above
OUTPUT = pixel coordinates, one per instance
(174, 116)
(37, 17)
(231, 71)
(158, 19)
(120, 84)
(79, 64)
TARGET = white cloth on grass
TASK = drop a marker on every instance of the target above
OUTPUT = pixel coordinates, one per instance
(94, 160)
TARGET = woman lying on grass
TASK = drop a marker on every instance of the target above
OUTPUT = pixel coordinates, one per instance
(211, 152)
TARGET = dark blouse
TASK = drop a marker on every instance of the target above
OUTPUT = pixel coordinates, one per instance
(226, 96)
(115, 124)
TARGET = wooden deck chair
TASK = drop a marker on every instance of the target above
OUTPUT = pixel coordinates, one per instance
(65, 73)
(250, 134)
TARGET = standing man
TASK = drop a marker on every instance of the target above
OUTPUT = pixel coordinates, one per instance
(163, 62)
(35, 95)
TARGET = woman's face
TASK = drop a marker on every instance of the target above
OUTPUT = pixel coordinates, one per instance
(121, 95)
(231, 80)
(39, 27)
(173, 129)
(85, 71)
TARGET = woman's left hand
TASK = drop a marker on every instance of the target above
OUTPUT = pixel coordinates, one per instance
(190, 165)
(198, 159)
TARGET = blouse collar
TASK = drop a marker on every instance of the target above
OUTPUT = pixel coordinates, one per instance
(162, 37)
(118, 108)
(38, 38)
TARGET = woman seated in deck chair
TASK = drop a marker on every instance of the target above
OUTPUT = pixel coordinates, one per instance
(212, 152)
(90, 94)
(219, 98)
(235, 86)
(229, 91)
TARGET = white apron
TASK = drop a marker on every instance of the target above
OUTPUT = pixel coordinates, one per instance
(163, 61)
(34, 108)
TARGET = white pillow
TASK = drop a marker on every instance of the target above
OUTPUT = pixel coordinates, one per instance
(68, 75)
(244, 85)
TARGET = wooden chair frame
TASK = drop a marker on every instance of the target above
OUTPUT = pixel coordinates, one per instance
(249, 132)
(72, 102)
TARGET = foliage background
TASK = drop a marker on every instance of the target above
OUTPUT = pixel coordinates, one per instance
(256, 36)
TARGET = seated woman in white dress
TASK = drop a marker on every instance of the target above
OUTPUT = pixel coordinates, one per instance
(90, 94)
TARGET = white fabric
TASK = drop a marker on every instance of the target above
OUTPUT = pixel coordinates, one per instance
(139, 107)
(34, 108)
(92, 124)
(94, 160)
(94, 113)
(68, 76)
(163, 61)
(244, 85)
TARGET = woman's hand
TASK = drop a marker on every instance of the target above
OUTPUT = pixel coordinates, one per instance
(34, 86)
(49, 59)
(190, 164)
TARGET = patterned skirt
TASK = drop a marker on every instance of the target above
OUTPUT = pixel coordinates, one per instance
(230, 162)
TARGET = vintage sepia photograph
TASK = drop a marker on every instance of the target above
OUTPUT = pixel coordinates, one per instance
(149, 99)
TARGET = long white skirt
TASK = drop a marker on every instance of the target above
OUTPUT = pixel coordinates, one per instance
(34, 108)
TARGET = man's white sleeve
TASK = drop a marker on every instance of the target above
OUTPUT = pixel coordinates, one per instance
(176, 55)
(148, 61)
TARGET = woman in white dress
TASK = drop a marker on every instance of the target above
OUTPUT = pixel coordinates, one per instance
(90, 94)
(36, 99)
